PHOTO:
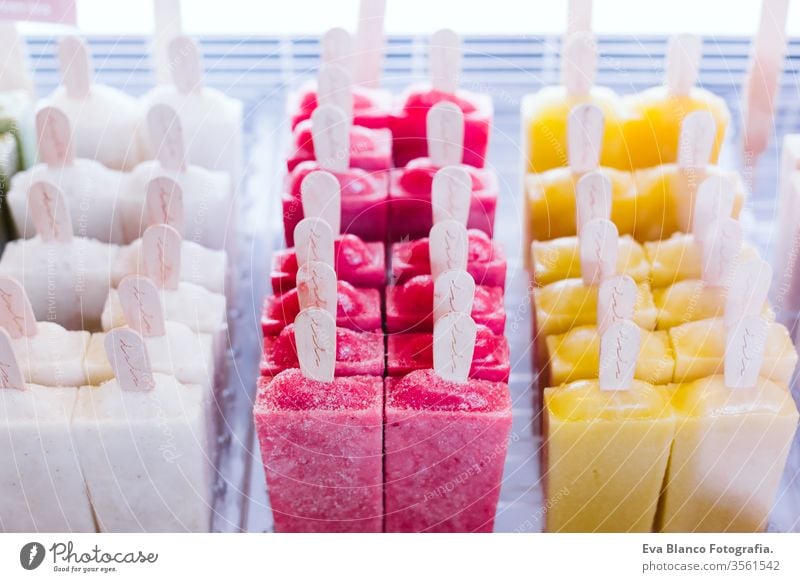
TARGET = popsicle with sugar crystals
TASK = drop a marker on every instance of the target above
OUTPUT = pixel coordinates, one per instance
(446, 439)
(607, 444)
(198, 265)
(412, 188)
(144, 444)
(355, 261)
(559, 258)
(363, 192)
(321, 438)
(409, 122)
(657, 114)
(731, 442)
(104, 120)
(211, 121)
(46, 353)
(66, 277)
(208, 195)
(92, 192)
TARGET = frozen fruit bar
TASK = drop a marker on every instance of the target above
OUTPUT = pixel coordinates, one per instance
(370, 149)
(575, 355)
(322, 447)
(364, 201)
(486, 261)
(606, 456)
(438, 432)
(357, 353)
(411, 210)
(356, 262)
(728, 456)
(357, 309)
(409, 123)
(409, 307)
(371, 107)
(559, 258)
(699, 348)
(407, 352)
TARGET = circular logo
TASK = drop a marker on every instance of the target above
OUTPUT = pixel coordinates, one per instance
(31, 555)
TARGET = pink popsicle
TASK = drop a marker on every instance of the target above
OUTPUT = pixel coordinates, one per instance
(445, 450)
(370, 106)
(370, 149)
(321, 445)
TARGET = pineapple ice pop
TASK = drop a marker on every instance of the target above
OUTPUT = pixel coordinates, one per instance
(608, 442)
(657, 114)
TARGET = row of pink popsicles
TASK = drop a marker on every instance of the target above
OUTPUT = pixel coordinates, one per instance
(388, 445)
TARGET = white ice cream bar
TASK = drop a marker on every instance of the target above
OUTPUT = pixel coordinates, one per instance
(198, 308)
(211, 121)
(146, 456)
(180, 352)
(91, 191)
(199, 265)
(53, 356)
(41, 484)
(66, 283)
(105, 121)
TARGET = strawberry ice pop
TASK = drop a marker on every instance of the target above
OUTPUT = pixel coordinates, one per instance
(321, 438)
(446, 439)
(409, 123)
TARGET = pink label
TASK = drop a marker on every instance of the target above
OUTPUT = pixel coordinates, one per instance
(16, 313)
(166, 137)
(164, 202)
(55, 137)
(128, 356)
(161, 254)
(61, 11)
(141, 305)
(10, 374)
(49, 212)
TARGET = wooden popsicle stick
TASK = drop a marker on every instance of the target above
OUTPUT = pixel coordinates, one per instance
(714, 199)
(330, 132)
(445, 127)
(619, 350)
(315, 337)
(76, 71)
(599, 249)
(141, 305)
(453, 291)
(448, 247)
(54, 135)
(744, 352)
(454, 346)
(585, 127)
(16, 313)
(451, 194)
(748, 290)
(579, 63)
(592, 198)
(10, 374)
(722, 247)
(313, 241)
(161, 255)
(369, 42)
(316, 286)
(684, 52)
(186, 64)
(50, 213)
(164, 203)
(616, 301)
(129, 359)
(579, 16)
(696, 141)
(335, 87)
(337, 48)
(321, 197)
(445, 60)
(166, 137)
